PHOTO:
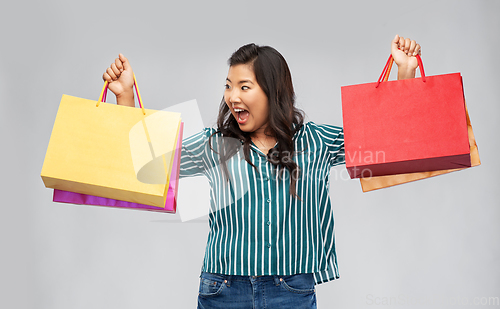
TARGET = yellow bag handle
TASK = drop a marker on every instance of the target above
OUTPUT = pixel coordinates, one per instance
(102, 97)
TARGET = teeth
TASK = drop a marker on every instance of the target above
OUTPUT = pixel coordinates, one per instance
(238, 110)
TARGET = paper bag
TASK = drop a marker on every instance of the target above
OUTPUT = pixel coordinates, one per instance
(405, 126)
(111, 151)
(374, 183)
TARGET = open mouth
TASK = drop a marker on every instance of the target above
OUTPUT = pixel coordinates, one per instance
(242, 115)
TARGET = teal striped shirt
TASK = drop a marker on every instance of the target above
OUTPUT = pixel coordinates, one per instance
(256, 226)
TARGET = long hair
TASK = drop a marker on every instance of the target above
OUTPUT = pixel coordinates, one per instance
(274, 77)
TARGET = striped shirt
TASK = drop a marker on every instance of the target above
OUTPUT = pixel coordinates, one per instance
(256, 226)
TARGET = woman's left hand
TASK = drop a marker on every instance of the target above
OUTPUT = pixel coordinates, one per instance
(404, 52)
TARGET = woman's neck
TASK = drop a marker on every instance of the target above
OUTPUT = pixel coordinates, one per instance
(263, 140)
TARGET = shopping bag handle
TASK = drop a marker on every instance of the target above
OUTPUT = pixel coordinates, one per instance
(104, 92)
(388, 66)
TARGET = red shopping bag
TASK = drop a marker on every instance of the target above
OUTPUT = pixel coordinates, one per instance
(405, 126)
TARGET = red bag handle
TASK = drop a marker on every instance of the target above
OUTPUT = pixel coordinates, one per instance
(388, 66)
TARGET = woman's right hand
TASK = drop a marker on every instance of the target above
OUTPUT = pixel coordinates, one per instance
(120, 78)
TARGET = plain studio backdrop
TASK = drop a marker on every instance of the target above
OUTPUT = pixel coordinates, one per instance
(429, 244)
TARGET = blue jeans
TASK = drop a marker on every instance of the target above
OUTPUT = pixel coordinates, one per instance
(243, 292)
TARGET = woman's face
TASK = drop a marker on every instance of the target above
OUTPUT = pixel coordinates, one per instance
(246, 100)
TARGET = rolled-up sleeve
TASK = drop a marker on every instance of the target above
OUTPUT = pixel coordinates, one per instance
(195, 156)
(333, 138)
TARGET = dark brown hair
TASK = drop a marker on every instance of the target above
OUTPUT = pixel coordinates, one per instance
(274, 77)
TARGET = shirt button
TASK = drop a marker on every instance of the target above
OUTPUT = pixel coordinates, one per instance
(269, 245)
(266, 178)
(269, 200)
(268, 222)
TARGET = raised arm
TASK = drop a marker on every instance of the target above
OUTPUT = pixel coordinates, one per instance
(120, 77)
(404, 52)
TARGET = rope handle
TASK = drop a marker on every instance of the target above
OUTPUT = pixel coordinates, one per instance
(104, 93)
(388, 66)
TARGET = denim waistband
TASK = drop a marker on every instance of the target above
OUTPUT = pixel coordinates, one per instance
(232, 278)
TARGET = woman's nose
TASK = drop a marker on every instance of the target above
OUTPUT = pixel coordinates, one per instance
(234, 96)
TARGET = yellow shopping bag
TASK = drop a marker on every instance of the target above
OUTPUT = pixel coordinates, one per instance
(111, 151)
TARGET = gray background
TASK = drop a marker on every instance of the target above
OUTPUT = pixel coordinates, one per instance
(434, 241)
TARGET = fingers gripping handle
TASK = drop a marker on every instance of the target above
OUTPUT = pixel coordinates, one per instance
(102, 97)
(388, 66)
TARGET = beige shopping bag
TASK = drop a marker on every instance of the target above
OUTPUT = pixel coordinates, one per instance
(374, 183)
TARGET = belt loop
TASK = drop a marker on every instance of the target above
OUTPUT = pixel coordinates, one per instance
(277, 280)
(228, 280)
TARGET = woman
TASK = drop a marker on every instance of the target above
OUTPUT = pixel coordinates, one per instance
(271, 233)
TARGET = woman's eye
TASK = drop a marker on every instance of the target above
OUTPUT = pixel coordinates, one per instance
(227, 86)
(245, 88)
